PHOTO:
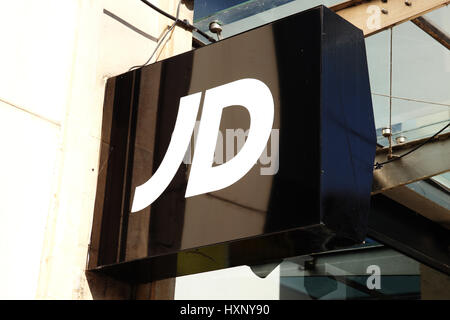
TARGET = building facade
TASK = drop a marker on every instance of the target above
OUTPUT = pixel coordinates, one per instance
(56, 59)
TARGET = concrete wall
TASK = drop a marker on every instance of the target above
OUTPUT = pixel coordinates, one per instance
(54, 62)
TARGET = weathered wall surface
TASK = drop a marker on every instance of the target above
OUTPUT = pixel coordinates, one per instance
(54, 62)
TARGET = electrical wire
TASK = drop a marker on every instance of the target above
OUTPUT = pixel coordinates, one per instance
(159, 10)
(176, 21)
(182, 23)
(163, 37)
(378, 165)
(156, 49)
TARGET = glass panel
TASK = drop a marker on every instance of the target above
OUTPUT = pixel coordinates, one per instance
(421, 82)
(205, 8)
(443, 180)
(370, 271)
(249, 14)
(377, 47)
(381, 115)
(418, 108)
(415, 120)
(440, 18)
(421, 66)
(427, 190)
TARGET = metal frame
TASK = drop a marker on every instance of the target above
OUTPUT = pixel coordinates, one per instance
(410, 233)
(433, 31)
(420, 204)
(389, 13)
(431, 159)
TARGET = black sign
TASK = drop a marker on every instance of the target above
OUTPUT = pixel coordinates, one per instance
(246, 151)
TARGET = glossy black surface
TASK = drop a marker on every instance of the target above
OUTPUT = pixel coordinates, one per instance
(315, 66)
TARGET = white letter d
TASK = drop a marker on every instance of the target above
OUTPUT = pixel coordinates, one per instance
(256, 97)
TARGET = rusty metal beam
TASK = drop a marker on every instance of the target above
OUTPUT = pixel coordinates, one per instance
(420, 204)
(431, 30)
(402, 229)
(375, 16)
(431, 159)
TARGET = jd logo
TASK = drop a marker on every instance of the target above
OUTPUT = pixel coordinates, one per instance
(251, 94)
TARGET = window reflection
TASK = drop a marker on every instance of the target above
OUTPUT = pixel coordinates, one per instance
(366, 272)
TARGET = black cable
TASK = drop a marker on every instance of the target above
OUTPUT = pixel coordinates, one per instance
(380, 165)
(159, 10)
(182, 23)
